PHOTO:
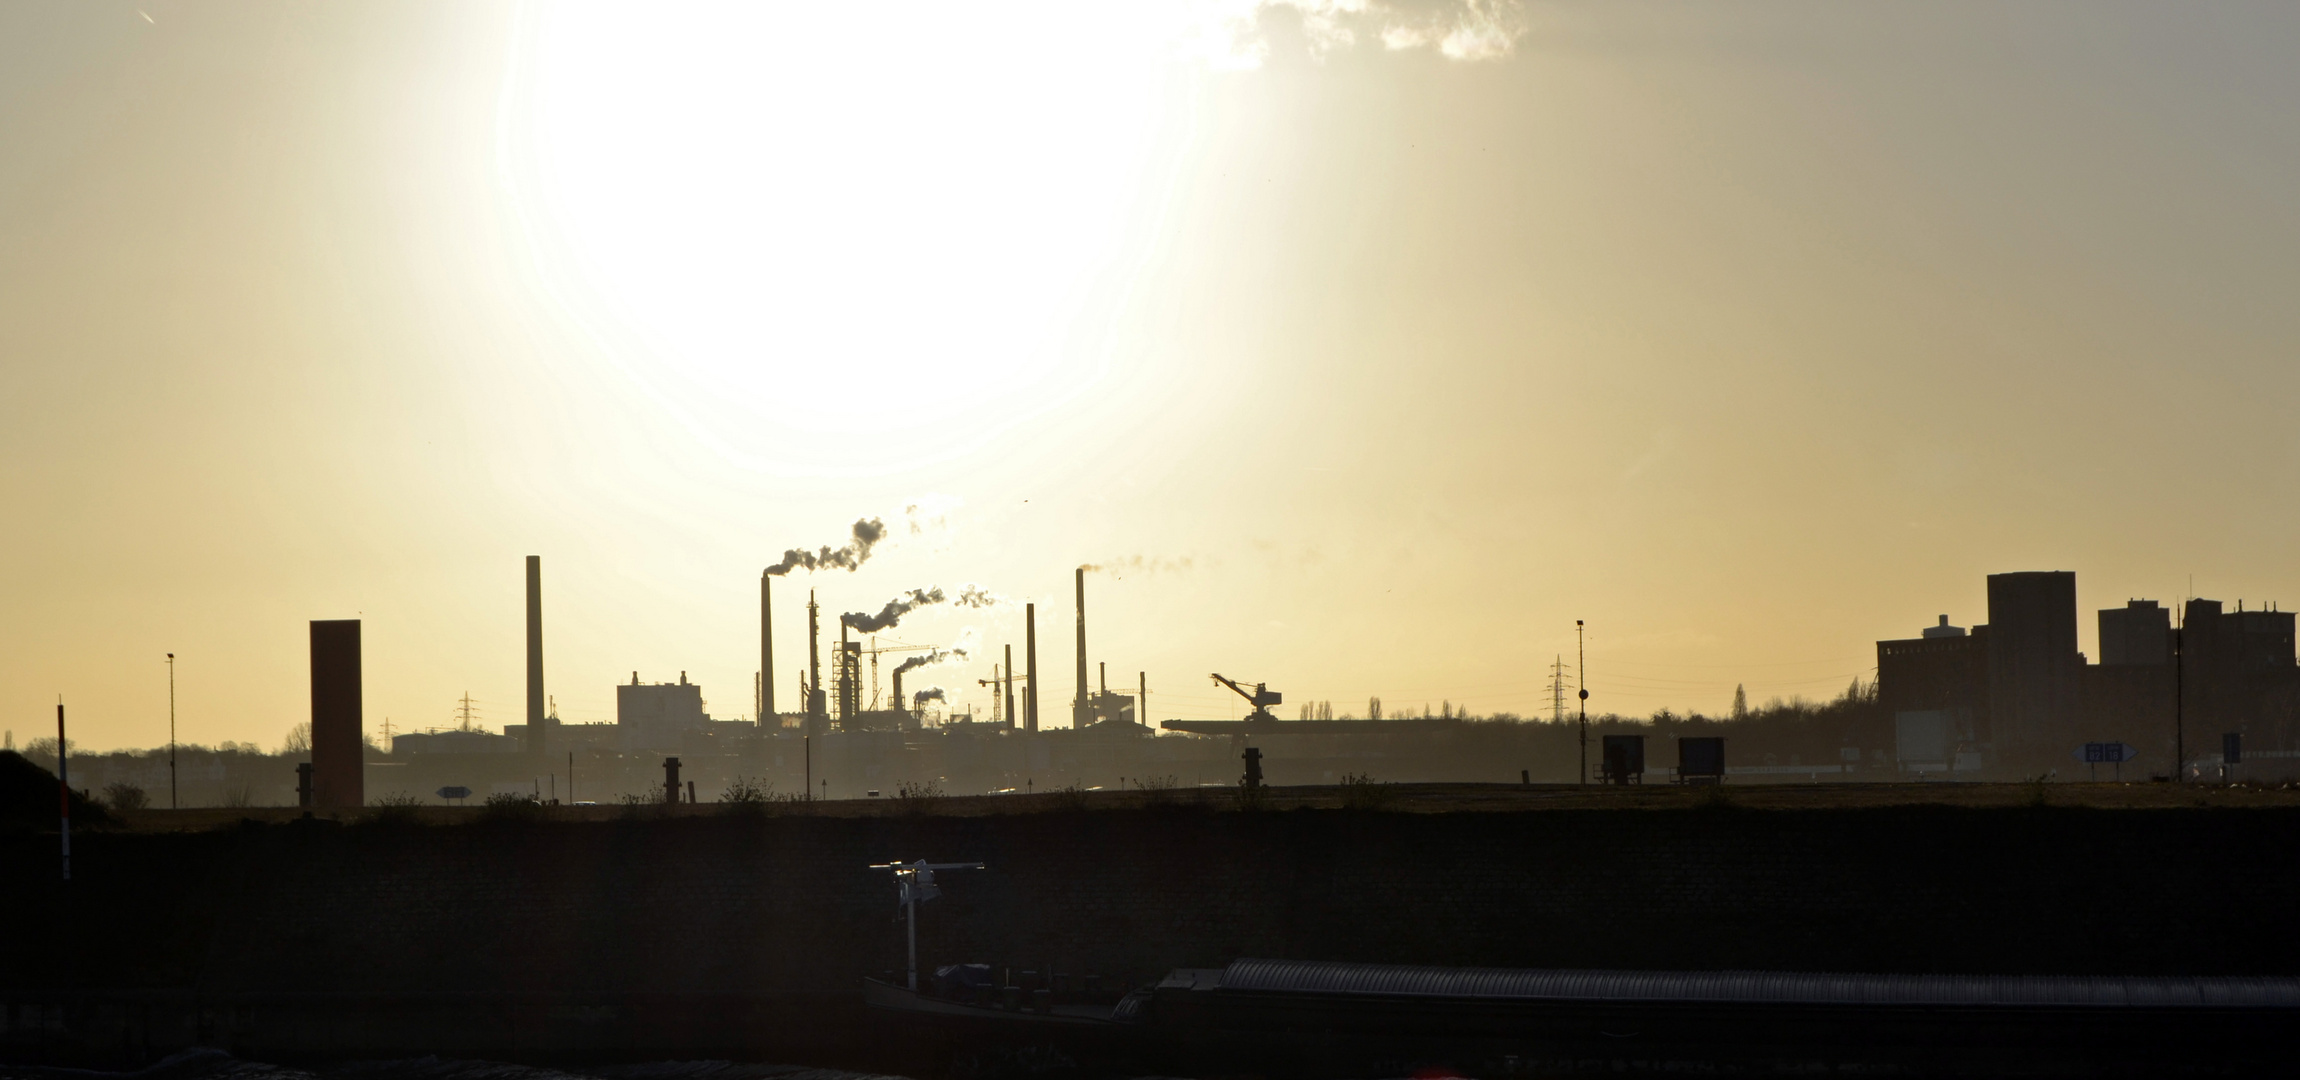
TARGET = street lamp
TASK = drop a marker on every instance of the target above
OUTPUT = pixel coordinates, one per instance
(914, 882)
(171, 731)
(1580, 664)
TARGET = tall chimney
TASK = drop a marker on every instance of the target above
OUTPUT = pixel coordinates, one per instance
(537, 738)
(766, 654)
(901, 705)
(1030, 658)
(1080, 710)
(1008, 688)
(846, 679)
(815, 724)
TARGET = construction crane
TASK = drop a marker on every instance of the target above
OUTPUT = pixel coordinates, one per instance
(874, 650)
(1261, 697)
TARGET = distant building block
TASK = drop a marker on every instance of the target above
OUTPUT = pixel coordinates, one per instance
(1624, 759)
(1700, 760)
(336, 748)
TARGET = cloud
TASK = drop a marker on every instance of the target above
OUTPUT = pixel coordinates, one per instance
(1228, 34)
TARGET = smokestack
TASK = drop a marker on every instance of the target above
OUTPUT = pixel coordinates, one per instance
(815, 724)
(1009, 688)
(1079, 709)
(536, 736)
(846, 682)
(766, 654)
(1030, 657)
(899, 701)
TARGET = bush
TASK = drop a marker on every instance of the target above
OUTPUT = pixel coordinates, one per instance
(1071, 796)
(744, 790)
(1156, 790)
(512, 806)
(1361, 792)
(123, 796)
(399, 807)
(918, 799)
(1250, 799)
(747, 796)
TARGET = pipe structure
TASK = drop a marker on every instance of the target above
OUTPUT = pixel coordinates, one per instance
(766, 653)
(537, 737)
(1080, 708)
(1030, 659)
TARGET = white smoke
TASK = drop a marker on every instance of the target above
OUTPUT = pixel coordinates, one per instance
(1139, 564)
(958, 650)
(975, 596)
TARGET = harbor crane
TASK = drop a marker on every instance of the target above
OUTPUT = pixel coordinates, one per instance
(913, 885)
(1261, 697)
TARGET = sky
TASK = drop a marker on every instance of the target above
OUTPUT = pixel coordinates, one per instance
(1364, 346)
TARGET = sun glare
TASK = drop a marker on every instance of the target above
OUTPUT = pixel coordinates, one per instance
(840, 238)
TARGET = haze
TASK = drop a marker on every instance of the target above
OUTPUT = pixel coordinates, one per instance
(1390, 339)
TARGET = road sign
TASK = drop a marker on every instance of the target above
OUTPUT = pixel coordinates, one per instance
(2106, 753)
(454, 793)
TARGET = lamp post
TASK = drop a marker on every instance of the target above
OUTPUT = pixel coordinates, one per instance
(171, 731)
(1580, 671)
(914, 882)
(2179, 705)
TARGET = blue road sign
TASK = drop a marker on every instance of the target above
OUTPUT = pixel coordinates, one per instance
(454, 793)
(2106, 753)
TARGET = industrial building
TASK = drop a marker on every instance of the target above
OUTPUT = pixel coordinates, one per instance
(2016, 694)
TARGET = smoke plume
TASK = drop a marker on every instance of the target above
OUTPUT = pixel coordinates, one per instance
(958, 650)
(893, 612)
(1139, 564)
(975, 596)
(867, 533)
(931, 693)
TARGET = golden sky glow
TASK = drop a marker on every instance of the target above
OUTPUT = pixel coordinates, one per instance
(1392, 338)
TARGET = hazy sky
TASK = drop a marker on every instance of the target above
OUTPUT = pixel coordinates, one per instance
(1391, 339)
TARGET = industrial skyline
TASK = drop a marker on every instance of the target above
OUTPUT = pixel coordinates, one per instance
(1369, 347)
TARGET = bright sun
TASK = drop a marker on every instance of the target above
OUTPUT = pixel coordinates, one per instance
(838, 238)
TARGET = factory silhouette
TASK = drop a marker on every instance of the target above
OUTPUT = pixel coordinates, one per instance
(2016, 693)
(2191, 692)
